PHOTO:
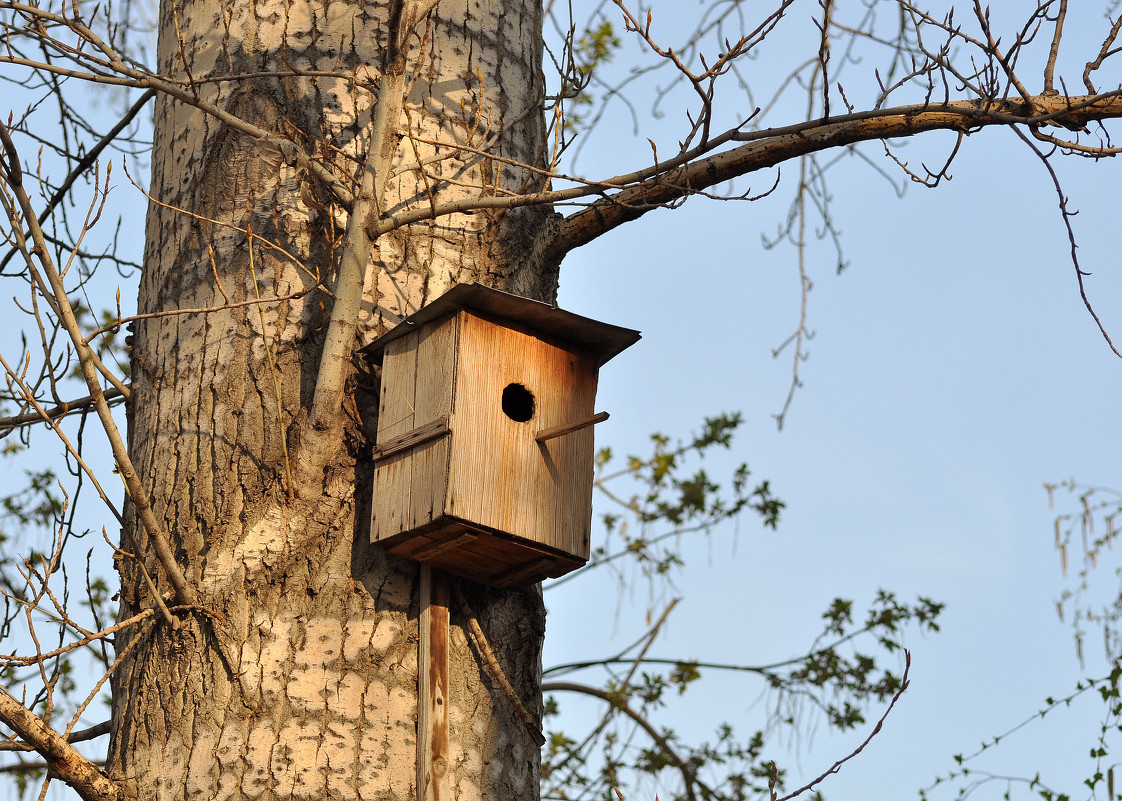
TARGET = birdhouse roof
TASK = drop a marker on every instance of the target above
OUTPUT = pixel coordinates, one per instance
(601, 339)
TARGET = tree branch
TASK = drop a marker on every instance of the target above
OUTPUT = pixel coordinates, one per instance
(142, 79)
(617, 702)
(86, 778)
(1054, 50)
(91, 733)
(876, 730)
(86, 162)
(774, 146)
(113, 396)
(360, 236)
(626, 197)
(491, 662)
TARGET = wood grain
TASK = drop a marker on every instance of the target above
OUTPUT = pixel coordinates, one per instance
(432, 687)
(487, 500)
(501, 477)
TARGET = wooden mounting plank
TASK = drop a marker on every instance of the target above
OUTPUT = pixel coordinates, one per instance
(432, 687)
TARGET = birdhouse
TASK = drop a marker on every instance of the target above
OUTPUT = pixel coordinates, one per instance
(483, 459)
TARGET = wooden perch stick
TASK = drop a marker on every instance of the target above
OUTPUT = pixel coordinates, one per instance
(568, 428)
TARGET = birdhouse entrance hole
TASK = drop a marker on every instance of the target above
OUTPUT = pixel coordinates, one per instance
(518, 403)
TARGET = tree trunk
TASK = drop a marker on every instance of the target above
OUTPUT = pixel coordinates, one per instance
(297, 676)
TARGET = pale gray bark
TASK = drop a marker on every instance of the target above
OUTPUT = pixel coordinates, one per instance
(302, 684)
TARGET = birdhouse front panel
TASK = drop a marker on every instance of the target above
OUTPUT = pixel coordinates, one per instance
(483, 459)
(513, 385)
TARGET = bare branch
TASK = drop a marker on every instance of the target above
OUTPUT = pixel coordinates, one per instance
(137, 492)
(45, 417)
(774, 146)
(87, 161)
(7, 424)
(85, 777)
(358, 241)
(1066, 215)
(127, 75)
(495, 670)
(1106, 51)
(876, 730)
(1054, 51)
(82, 735)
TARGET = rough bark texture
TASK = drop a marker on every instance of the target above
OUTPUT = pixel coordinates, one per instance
(300, 682)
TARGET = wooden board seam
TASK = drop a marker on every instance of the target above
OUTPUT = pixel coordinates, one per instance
(419, 435)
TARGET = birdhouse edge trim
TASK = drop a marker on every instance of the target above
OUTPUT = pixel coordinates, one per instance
(457, 538)
(602, 339)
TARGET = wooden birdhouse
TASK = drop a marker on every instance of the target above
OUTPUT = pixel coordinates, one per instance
(483, 461)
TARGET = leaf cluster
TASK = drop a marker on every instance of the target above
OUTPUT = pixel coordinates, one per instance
(666, 496)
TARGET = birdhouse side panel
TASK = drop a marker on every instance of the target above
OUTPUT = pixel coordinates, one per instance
(393, 473)
(436, 370)
(513, 384)
(397, 393)
(410, 482)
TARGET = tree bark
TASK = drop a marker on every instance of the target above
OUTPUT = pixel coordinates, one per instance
(296, 676)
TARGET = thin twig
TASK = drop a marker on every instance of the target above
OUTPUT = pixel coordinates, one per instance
(112, 395)
(88, 160)
(491, 662)
(876, 730)
(1066, 216)
(1054, 51)
(283, 432)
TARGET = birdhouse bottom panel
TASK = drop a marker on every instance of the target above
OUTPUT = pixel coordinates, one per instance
(483, 555)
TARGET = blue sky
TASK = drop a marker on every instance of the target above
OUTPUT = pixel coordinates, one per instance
(953, 371)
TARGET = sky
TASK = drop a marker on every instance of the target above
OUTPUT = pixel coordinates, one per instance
(948, 379)
(953, 371)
